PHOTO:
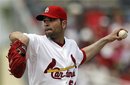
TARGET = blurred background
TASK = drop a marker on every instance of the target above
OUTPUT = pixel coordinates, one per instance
(88, 21)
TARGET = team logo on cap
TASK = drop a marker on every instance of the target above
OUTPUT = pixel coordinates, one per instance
(46, 10)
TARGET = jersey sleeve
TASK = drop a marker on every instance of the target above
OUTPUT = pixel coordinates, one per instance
(80, 55)
(84, 57)
(32, 48)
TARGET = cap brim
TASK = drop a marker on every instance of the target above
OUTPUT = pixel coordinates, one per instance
(42, 17)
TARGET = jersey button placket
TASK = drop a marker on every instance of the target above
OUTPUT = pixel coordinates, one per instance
(64, 56)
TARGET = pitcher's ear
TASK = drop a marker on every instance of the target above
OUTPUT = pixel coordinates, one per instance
(64, 24)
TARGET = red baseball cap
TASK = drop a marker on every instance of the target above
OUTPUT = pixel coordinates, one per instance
(53, 12)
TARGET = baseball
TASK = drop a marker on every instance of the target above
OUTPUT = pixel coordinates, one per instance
(122, 34)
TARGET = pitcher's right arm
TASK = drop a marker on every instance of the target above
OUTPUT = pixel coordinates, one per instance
(19, 36)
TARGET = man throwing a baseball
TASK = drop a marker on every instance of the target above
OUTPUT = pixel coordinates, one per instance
(51, 59)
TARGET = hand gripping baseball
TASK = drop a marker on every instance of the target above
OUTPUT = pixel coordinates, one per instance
(17, 58)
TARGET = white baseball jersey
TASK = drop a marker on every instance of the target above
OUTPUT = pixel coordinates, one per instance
(52, 64)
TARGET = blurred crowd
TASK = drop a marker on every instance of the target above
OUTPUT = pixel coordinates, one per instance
(88, 21)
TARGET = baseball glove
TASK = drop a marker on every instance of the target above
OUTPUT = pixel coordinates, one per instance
(17, 58)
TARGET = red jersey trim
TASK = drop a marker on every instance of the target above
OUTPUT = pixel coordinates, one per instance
(84, 57)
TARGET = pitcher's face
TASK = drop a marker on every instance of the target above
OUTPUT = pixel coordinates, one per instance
(53, 27)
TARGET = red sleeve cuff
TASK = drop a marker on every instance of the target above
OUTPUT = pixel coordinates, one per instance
(84, 57)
